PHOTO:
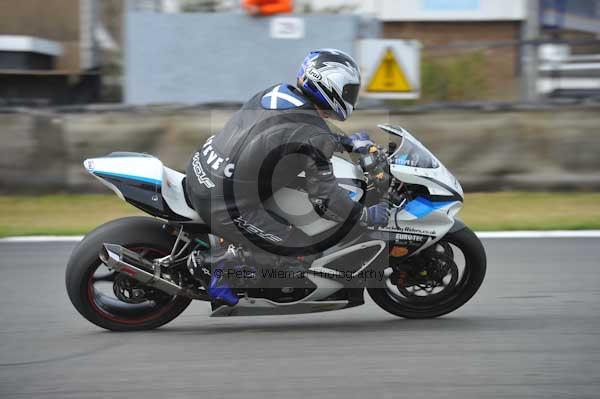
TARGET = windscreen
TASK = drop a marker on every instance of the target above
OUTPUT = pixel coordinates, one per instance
(411, 152)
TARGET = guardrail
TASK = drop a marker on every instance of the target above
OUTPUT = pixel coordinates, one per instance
(563, 74)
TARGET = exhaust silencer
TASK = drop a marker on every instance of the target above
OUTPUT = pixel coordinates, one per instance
(135, 266)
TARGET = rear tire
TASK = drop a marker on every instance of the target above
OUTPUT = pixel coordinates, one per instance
(475, 268)
(132, 232)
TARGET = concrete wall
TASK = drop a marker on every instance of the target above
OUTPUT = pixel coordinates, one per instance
(553, 149)
(195, 57)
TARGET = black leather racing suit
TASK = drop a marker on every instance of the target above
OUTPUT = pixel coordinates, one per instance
(259, 151)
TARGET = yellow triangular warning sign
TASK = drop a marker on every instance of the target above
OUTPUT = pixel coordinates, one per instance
(389, 76)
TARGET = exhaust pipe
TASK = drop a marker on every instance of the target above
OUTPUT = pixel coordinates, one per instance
(135, 266)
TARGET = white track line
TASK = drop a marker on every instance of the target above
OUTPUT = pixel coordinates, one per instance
(42, 239)
(541, 234)
(485, 235)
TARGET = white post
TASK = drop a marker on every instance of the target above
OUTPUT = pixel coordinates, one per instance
(171, 6)
(529, 52)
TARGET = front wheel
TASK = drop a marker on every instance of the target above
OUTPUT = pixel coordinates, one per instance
(113, 300)
(435, 282)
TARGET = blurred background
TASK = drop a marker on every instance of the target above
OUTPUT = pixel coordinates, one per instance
(505, 93)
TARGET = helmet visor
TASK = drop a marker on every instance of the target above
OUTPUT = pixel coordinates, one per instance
(350, 93)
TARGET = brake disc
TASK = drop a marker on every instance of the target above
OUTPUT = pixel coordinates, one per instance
(128, 290)
(429, 282)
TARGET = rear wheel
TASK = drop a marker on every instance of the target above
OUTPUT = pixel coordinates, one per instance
(112, 300)
(435, 282)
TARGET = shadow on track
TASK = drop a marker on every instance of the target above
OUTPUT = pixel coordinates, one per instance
(448, 324)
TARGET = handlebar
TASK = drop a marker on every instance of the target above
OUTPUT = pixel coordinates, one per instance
(375, 164)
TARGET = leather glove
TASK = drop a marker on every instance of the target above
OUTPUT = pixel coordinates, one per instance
(376, 215)
(361, 142)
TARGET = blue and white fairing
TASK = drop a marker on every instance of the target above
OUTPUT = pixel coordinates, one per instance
(430, 215)
(413, 163)
(143, 181)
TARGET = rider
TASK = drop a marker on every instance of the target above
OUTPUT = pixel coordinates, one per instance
(278, 134)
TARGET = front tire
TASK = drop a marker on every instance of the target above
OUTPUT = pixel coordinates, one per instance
(474, 272)
(136, 233)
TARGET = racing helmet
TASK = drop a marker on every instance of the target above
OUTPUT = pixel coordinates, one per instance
(331, 80)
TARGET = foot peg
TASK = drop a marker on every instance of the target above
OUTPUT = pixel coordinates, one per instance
(213, 271)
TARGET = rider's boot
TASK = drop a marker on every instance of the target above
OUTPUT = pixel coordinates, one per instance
(225, 270)
(217, 273)
(220, 287)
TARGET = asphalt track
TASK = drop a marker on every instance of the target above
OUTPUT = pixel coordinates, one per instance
(533, 331)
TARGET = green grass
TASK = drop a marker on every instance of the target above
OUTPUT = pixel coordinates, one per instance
(59, 214)
(78, 214)
(532, 211)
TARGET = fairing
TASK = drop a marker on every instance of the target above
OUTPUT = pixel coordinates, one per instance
(143, 181)
(425, 219)
(413, 163)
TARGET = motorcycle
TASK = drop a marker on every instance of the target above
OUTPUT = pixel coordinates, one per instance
(135, 273)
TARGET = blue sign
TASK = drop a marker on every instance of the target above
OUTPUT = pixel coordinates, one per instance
(451, 5)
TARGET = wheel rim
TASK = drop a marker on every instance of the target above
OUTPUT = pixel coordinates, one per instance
(448, 285)
(111, 308)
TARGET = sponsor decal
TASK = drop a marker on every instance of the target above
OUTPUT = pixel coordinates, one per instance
(413, 230)
(405, 161)
(313, 74)
(244, 225)
(409, 237)
(214, 160)
(228, 170)
(200, 174)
